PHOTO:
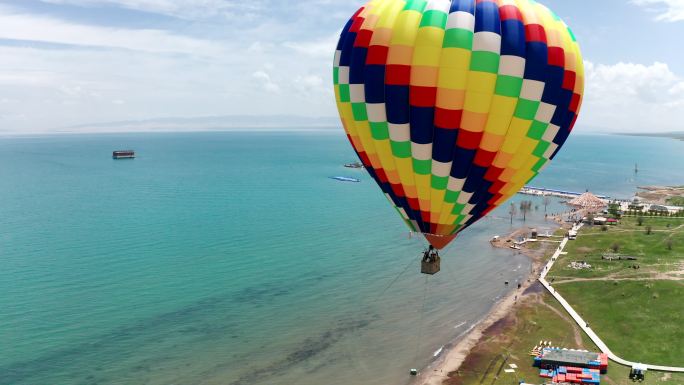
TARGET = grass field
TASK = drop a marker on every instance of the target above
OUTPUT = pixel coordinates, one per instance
(639, 313)
(511, 340)
(676, 201)
(640, 321)
(660, 251)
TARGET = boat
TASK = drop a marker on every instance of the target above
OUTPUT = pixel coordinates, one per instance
(123, 154)
(354, 165)
(345, 179)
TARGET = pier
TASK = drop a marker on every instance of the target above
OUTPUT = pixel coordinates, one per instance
(540, 191)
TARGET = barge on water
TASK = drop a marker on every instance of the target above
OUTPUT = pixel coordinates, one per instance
(345, 179)
(354, 165)
(125, 154)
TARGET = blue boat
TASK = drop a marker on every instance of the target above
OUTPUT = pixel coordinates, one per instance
(345, 179)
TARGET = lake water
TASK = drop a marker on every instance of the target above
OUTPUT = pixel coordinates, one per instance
(232, 258)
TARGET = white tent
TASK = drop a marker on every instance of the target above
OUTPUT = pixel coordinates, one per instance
(588, 201)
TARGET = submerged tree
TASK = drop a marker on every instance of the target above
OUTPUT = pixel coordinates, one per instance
(547, 201)
(512, 211)
(525, 207)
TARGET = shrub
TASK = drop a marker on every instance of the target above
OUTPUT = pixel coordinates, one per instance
(604, 228)
(669, 244)
(640, 220)
(649, 230)
(615, 247)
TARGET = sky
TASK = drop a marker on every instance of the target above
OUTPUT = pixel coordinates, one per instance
(74, 62)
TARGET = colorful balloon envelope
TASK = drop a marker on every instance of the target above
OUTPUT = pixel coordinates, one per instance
(453, 106)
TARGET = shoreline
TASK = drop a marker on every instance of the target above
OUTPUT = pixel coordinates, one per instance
(452, 360)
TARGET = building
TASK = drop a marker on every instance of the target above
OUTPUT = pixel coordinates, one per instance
(572, 358)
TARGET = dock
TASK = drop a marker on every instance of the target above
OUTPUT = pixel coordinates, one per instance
(540, 191)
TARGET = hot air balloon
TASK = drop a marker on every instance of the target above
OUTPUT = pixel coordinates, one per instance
(454, 105)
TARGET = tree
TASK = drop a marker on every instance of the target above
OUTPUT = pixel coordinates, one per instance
(525, 207)
(590, 219)
(649, 230)
(547, 201)
(512, 211)
(669, 244)
(640, 220)
(614, 209)
(615, 247)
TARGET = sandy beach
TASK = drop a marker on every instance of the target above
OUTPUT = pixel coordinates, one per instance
(450, 362)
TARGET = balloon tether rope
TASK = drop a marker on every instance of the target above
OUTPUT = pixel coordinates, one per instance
(422, 317)
(411, 262)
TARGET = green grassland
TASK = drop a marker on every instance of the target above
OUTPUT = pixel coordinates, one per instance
(510, 341)
(676, 201)
(638, 312)
(640, 321)
(652, 251)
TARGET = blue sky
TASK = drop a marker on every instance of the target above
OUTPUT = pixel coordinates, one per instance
(73, 62)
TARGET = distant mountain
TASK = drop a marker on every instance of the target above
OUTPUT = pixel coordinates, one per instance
(674, 135)
(208, 123)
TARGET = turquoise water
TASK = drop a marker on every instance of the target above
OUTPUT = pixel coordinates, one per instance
(231, 258)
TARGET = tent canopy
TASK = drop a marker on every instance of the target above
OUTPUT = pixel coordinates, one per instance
(588, 201)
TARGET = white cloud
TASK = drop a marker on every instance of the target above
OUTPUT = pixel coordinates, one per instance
(278, 64)
(629, 97)
(20, 26)
(27, 78)
(321, 48)
(182, 9)
(311, 86)
(266, 82)
(667, 10)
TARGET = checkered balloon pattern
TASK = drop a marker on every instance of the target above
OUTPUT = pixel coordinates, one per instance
(454, 105)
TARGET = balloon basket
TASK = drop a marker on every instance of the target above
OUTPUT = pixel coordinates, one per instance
(430, 267)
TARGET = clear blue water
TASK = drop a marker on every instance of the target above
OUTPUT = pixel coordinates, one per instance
(231, 258)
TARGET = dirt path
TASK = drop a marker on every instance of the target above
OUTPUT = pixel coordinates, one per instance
(673, 275)
(658, 277)
(672, 231)
(577, 333)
